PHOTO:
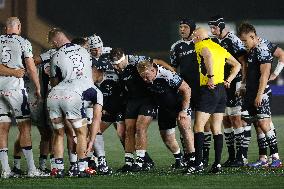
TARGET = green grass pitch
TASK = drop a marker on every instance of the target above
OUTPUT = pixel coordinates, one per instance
(161, 176)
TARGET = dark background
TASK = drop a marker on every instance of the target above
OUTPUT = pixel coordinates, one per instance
(147, 25)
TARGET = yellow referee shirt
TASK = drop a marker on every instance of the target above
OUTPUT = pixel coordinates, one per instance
(219, 55)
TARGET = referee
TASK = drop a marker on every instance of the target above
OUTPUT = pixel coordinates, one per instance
(212, 98)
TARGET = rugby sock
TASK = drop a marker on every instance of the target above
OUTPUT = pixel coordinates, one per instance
(52, 161)
(239, 137)
(178, 154)
(246, 141)
(28, 153)
(198, 144)
(72, 157)
(218, 146)
(4, 160)
(42, 162)
(230, 141)
(262, 144)
(17, 162)
(140, 157)
(82, 164)
(99, 145)
(206, 145)
(129, 158)
(272, 127)
(190, 158)
(59, 163)
(272, 141)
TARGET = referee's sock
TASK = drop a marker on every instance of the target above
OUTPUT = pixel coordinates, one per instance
(198, 144)
(218, 146)
(206, 146)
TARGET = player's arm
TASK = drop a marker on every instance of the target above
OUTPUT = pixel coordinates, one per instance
(6, 71)
(37, 60)
(208, 61)
(185, 91)
(164, 64)
(244, 67)
(97, 75)
(95, 126)
(236, 66)
(264, 75)
(279, 54)
(32, 72)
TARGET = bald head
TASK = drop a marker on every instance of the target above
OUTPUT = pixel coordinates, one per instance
(199, 34)
(13, 25)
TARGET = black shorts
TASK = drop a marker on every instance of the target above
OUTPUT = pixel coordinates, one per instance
(263, 111)
(114, 108)
(212, 100)
(140, 106)
(169, 108)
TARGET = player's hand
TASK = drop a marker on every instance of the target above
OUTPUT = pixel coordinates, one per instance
(227, 83)
(272, 77)
(258, 100)
(38, 96)
(182, 115)
(90, 147)
(210, 83)
(19, 73)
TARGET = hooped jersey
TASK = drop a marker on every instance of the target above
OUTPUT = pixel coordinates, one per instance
(13, 51)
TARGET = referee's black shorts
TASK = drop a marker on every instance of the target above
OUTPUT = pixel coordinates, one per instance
(212, 100)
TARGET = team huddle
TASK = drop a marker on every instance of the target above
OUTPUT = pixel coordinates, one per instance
(84, 87)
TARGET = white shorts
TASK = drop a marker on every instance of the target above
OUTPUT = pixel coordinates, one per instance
(64, 103)
(233, 111)
(14, 103)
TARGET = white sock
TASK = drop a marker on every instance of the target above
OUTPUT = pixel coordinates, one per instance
(99, 145)
(4, 160)
(177, 152)
(72, 157)
(140, 153)
(82, 164)
(28, 153)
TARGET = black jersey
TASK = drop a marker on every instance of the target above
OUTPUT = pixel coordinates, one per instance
(134, 85)
(183, 57)
(235, 47)
(261, 54)
(110, 83)
(165, 82)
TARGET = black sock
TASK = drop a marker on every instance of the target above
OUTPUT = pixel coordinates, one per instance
(198, 144)
(230, 141)
(272, 142)
(206, 145)
(218, 146)
(246, 141)
(239, 137)
(262, 144)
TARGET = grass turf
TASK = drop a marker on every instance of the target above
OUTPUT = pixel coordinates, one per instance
(161, 176)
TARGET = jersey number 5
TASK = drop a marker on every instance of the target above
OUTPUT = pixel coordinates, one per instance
(5, 55)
